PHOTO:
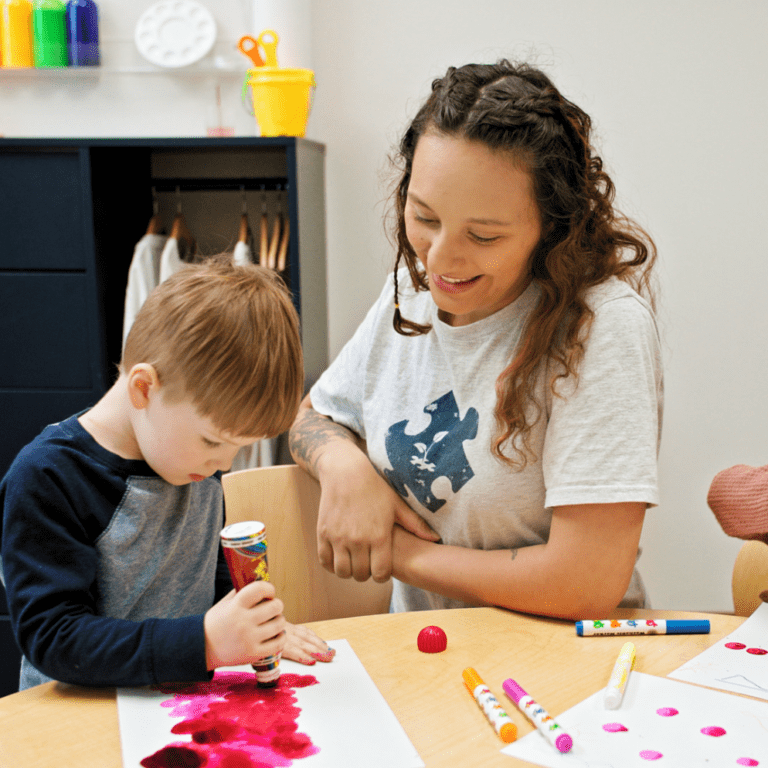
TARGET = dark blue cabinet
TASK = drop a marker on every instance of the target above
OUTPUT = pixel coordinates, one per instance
(71, 212)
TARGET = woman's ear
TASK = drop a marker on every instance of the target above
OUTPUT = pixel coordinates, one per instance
(143, 384)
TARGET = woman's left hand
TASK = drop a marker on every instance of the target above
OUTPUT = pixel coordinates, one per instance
(304, 646)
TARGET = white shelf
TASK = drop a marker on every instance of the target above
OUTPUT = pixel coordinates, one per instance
(77, 73)
(122, 58)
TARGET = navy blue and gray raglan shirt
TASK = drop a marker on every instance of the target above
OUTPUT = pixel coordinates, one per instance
(108, 568)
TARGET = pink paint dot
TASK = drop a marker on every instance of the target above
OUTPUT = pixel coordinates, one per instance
(713, 730)
(614, 727)
(667, 712)
(747, 761)
(757, 651)
(735, 646)
(650, 754)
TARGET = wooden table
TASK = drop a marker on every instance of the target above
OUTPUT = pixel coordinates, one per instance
(57, 726)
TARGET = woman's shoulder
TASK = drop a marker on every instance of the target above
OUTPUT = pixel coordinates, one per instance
(615, 296)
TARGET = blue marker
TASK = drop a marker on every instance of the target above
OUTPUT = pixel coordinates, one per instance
(607, 627)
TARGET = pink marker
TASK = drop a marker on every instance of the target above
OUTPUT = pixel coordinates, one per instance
(538, 716)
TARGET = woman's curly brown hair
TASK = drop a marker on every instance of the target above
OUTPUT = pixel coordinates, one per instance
(517, 109)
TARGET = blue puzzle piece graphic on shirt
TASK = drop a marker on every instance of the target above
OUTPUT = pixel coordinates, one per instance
(418, 460)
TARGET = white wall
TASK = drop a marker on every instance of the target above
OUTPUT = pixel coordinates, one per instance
(678, 92)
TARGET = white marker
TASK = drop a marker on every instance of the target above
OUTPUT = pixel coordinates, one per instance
(614, 691)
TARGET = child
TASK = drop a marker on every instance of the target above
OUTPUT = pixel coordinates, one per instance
(111, 518)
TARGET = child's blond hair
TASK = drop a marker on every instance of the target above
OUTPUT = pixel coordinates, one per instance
(228, 338)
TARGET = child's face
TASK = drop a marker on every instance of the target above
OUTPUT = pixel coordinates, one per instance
(181, 445)
(473, 222)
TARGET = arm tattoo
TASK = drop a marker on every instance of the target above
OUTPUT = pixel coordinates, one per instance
(309, 433)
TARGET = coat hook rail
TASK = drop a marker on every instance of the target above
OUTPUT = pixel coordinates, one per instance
(250, 184)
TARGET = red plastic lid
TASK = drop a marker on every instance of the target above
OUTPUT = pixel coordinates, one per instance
(432, 640)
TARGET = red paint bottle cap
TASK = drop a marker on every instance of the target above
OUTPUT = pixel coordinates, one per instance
(432, 640)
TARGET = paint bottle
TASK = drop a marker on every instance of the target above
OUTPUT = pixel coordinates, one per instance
(83, 33)
(50, 33)
(245, 550)
(16, 33)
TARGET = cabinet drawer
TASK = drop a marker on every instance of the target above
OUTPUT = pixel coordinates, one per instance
(45, 336)
(32, 412)
(41, 211)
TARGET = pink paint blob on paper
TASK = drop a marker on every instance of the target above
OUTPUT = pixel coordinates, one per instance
(713, 730)
(650, 754)
(735, 646)
(667, 712)
(747, 761)
(235, 724)
(757, 651)
(614, 727)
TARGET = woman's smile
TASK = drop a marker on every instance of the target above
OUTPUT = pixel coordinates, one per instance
(454, 284)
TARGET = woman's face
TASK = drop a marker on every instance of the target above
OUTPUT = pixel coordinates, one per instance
(471, 218)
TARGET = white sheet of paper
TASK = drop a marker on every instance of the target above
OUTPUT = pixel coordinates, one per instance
(678, 738)
(344, 715)
(734, 670)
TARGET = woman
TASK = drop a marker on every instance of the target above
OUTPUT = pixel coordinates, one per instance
(505, 390)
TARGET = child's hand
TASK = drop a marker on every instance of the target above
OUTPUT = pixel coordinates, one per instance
(303, 645)
(244, 626)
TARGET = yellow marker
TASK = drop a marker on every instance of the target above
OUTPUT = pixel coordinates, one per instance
(497, 717)
(614, 692)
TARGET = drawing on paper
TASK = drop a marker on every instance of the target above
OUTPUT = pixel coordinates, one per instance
(231, 716)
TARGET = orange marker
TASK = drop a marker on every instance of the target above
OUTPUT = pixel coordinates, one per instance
(497, 717)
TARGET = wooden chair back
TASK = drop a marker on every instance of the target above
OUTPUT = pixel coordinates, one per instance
(750, 577)
(286, 499)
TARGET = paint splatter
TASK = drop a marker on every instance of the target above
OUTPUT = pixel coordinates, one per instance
(735, 646)
(614, 727)
(235, 724)
(757, 651)
(667, 712)
(747, 761)
(713, 730)
(650, 754)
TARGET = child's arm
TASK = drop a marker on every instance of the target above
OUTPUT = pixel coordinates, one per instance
(51, 567)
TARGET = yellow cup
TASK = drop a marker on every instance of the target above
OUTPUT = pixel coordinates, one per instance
(281, 99)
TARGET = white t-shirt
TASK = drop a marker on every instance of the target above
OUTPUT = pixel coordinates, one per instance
(143, 276)
(425, 406)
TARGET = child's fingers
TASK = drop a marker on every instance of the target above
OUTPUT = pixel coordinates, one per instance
(273, 646)
(304, 646)
(254, 593)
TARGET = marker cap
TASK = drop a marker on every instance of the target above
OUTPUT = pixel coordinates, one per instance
(564, 742)
(687, 626)
(613, 698)
(471, 679)
(508, 732)
(513, 690)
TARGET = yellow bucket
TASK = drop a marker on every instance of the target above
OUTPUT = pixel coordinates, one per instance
(281, 99)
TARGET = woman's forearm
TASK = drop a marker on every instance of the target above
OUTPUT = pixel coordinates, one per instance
(583, 571)
(311, 434)
(521, 579)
